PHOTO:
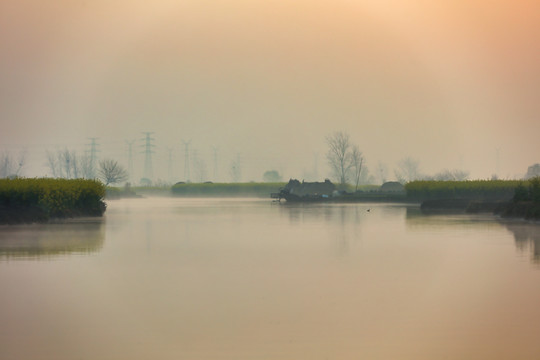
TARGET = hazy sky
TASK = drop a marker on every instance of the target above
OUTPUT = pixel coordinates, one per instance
(447, 82)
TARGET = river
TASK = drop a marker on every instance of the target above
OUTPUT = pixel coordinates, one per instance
(165, 278)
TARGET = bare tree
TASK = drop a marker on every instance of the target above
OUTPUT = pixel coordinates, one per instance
(451, 175)
(87, 169)
(67, 164)
(339, 156)
(10, 166)
(111, 172)
(52, 163)
(357, 161)
(407, 170)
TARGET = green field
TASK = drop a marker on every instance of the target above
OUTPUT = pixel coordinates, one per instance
(262, 190)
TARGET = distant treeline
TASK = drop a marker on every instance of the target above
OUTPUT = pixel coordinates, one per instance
(38, 200)
(262, 190)
(471, 190)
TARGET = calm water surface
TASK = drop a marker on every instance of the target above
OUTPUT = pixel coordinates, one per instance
(251, 279)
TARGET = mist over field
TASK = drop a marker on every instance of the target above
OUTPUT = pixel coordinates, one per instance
(258, 86)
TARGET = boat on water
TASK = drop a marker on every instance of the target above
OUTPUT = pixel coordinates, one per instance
(296, 191)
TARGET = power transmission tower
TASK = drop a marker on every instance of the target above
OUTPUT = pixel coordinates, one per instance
(169, 150)
(130, 158)
(148, 151)
(497, 161)
(316, 166)
(93, 154)
(215, 150)
(186, 160)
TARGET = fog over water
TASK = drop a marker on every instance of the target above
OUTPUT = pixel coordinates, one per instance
(453, 84)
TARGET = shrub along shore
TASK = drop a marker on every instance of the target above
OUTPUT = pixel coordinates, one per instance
(41, 199)
(494, 190)
(507, 198)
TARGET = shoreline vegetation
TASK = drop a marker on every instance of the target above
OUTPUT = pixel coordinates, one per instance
(39, 200)
(42, 199)
(506, 198)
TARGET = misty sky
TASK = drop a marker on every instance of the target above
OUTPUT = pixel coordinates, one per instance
(446, 82)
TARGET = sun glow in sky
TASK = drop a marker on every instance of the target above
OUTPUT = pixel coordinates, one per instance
(446, 82)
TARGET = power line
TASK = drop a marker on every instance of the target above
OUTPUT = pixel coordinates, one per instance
(215, 150)
(186, 159)
(93, 154)
(130, 158)
(148, 145)
(170, 150)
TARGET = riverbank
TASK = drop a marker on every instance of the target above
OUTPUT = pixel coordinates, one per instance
(259, 190)
(42, 199)
(508, 199)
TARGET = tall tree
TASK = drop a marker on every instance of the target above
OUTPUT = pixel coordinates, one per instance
(111, 172)
(339, 156)
(357, 161)
(408, 170)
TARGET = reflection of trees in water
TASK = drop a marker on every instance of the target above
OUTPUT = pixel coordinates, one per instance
(49, 240)
(416, 218)
(343, 220)
(527, 238)
(526, 235)
(317, 213)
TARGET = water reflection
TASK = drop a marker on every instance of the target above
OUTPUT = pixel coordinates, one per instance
(416, 218)
(527, 238)
(345, 224)
(526, 235)
(241, 279)
(81, 236)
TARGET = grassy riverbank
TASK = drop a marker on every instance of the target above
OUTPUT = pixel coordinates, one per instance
(40, 199)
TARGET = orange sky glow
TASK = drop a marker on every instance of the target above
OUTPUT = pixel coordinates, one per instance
(446, 82)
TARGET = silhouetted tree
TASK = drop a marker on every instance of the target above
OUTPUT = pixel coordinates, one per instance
(339, 156)
(111, 172)
(357, 161)
(10, 166)
(451, 175)
(67, 164)
(407, 170)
